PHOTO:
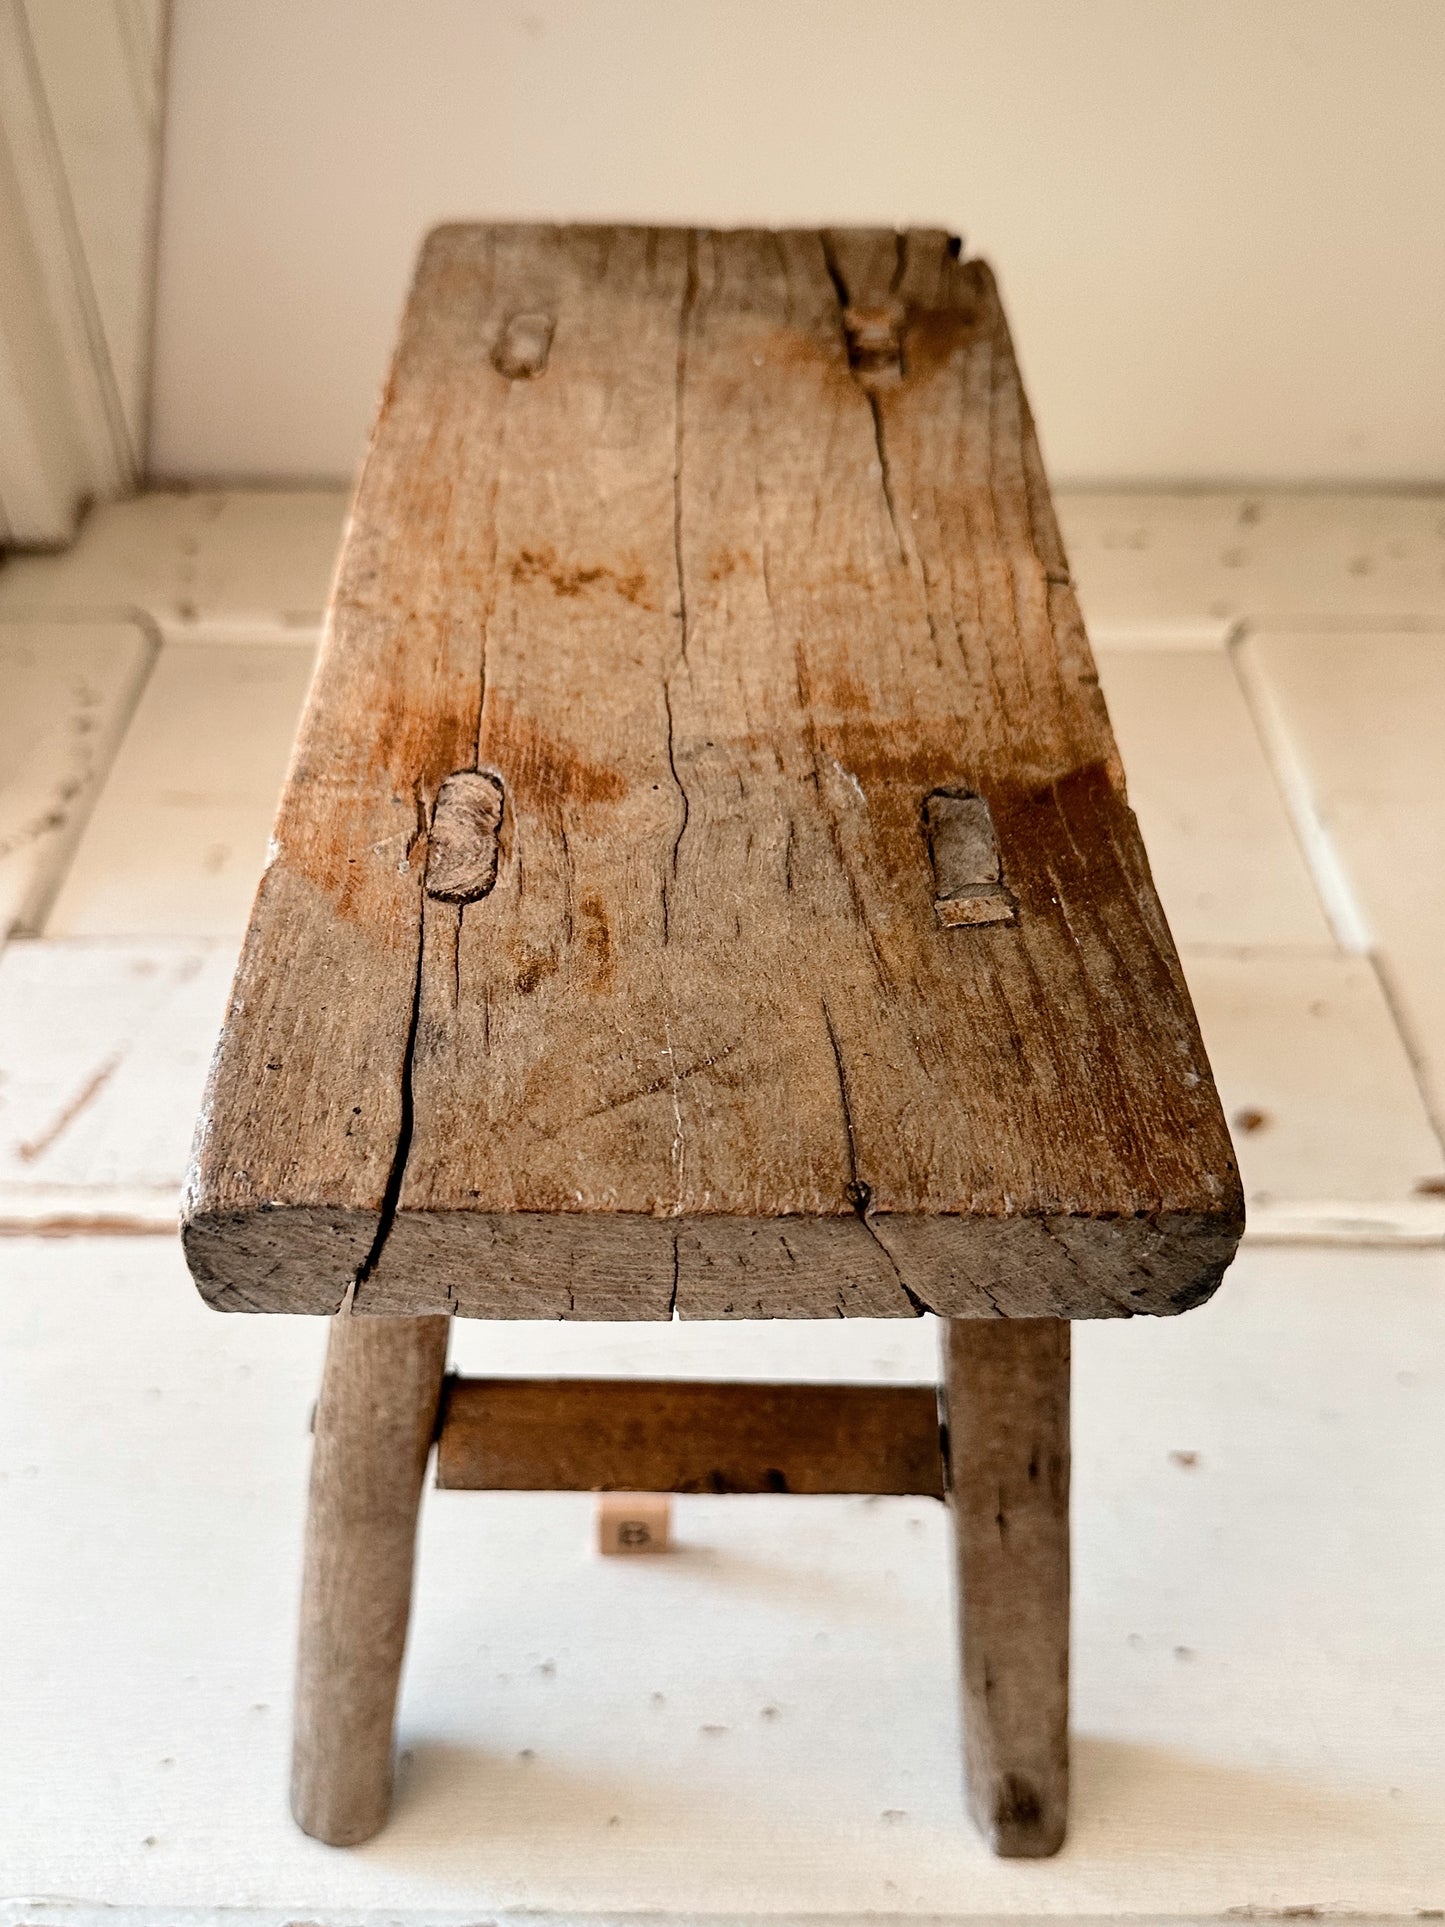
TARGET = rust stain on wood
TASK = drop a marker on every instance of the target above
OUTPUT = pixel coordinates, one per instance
(543, 770)
(571, 579)
(535, 972)
(596, 936)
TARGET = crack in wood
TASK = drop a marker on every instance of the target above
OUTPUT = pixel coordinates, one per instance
(857, 1191)
(406, 1123)
(681, 787)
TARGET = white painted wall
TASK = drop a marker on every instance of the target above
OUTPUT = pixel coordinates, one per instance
(1220, 223)
(80, 130)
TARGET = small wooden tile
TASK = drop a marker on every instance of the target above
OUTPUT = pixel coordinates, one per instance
(631, 1522)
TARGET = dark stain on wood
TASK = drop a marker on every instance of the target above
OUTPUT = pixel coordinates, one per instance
(567, 580)
(543, 771)
(535, 972)
(933, 336)
(596, 936)
(725, 562)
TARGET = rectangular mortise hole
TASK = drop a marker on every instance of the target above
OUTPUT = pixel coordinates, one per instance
(968, 886)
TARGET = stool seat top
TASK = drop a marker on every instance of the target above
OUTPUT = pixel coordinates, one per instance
(705, 884)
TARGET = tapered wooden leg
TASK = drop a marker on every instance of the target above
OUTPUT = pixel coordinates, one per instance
(374, 1426)
(1007, 1398)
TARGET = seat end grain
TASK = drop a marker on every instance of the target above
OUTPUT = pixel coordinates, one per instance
(628, 1265)
(294, 1258)
(1061, 1265)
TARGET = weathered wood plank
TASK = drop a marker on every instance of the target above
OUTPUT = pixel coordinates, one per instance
(749, 556)
(306, 1111)
(650, 1435)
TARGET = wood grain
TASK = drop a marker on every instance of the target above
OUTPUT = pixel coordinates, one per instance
(374, 1425)
(748, 556)
(1007, 1399)
(644, 1435)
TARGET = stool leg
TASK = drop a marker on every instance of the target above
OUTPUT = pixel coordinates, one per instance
(374, 1425)
(1007, 1398)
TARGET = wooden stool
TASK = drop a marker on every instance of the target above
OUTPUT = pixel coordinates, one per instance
(704, 888)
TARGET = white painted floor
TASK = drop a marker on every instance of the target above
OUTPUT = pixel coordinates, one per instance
(763, 1722)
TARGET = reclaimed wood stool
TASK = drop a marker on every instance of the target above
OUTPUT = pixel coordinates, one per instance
(704, 888)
